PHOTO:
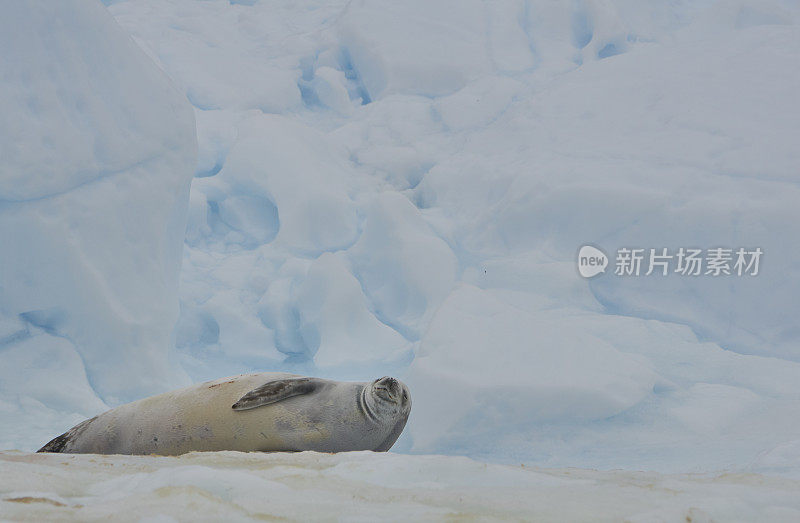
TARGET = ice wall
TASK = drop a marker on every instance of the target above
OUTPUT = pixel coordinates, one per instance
(402, 188)
(97, 149)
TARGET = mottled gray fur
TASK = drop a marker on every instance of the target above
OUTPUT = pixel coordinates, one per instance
(251, 412)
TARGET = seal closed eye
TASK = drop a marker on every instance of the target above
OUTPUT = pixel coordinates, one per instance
(225, 414)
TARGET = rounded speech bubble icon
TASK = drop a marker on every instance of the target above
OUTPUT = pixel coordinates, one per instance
(591, 261)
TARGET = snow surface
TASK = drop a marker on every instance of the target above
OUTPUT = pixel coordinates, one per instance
(364, 486)
(401, 188)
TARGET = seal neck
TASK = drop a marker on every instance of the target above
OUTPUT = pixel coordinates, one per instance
(364, 405)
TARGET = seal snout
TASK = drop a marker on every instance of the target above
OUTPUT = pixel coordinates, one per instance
(390, 389)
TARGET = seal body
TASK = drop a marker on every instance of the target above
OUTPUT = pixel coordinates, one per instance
(251, 412)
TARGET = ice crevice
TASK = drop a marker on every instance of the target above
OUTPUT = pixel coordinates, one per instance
(99, 177)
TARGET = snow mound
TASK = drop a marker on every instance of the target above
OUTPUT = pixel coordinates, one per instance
(335, 322)
(541, 371)
(405, 268)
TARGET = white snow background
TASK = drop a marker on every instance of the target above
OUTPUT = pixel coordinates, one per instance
(400, 188)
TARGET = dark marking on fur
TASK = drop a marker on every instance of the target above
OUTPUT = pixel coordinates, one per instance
(58, 443)
(218, 384)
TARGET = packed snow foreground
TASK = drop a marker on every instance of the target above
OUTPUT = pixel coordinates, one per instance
(364, 486)
(401, 188)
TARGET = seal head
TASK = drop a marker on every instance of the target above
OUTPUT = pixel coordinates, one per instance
(387, 400)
